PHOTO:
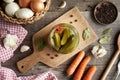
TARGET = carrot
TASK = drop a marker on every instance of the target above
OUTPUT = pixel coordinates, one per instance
(90, 73)
(79, 73)
(59, 29)
(75, 63)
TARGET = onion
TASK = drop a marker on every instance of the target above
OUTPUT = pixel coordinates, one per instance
(37, 5)
(24, 3)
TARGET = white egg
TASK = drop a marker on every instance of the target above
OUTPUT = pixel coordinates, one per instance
(8, 1)
(11, 8)
(24, 13)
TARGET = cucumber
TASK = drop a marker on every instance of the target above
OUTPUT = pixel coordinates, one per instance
(66, 35)
(73, 44)
(70, 45)
(57, 40)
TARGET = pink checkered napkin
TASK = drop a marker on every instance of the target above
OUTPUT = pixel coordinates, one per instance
(6, 73)
(5, 28)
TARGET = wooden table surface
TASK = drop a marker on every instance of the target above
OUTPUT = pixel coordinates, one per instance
(53, 13)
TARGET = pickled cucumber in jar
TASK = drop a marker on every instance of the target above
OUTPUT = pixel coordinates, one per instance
(64, 38)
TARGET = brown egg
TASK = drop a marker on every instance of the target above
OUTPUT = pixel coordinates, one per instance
(37, 5)
(24, 3)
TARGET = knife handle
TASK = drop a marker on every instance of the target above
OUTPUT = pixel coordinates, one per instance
(108, 68)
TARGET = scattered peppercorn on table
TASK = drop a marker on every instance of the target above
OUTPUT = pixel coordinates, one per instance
(100, 63)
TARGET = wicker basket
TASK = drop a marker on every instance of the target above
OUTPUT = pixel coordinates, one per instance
(36, 16)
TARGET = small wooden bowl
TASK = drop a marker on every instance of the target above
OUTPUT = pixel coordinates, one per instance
(105, 12)
(34, 18)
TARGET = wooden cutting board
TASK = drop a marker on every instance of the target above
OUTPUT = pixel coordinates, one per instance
(49, 56)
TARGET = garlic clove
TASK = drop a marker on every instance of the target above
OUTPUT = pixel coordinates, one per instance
(63, 4)
(95, 48)
(99, 51)
(102, 52)
(24, 48)
(43, 0)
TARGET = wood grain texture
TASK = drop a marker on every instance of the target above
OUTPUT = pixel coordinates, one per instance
(53, 14)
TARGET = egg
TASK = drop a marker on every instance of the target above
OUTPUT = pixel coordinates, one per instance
(24, 13)
(37, 5)
(24, 3)
(11, 8)
(8, 1)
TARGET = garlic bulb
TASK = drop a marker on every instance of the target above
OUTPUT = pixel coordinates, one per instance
(99, 51)
(11, 8)
(24, 48)
(10, 41)
(8, 1)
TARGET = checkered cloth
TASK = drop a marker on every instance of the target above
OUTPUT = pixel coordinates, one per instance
(9, 28)
(6, 73)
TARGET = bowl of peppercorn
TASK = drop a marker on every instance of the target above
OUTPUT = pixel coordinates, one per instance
(105, 12)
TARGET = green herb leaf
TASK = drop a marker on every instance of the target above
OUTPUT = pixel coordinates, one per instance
(106, 31)
(40, 43)
(105, 40)
(86, 34)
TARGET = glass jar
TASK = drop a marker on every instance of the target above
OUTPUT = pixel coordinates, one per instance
(64, 38)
